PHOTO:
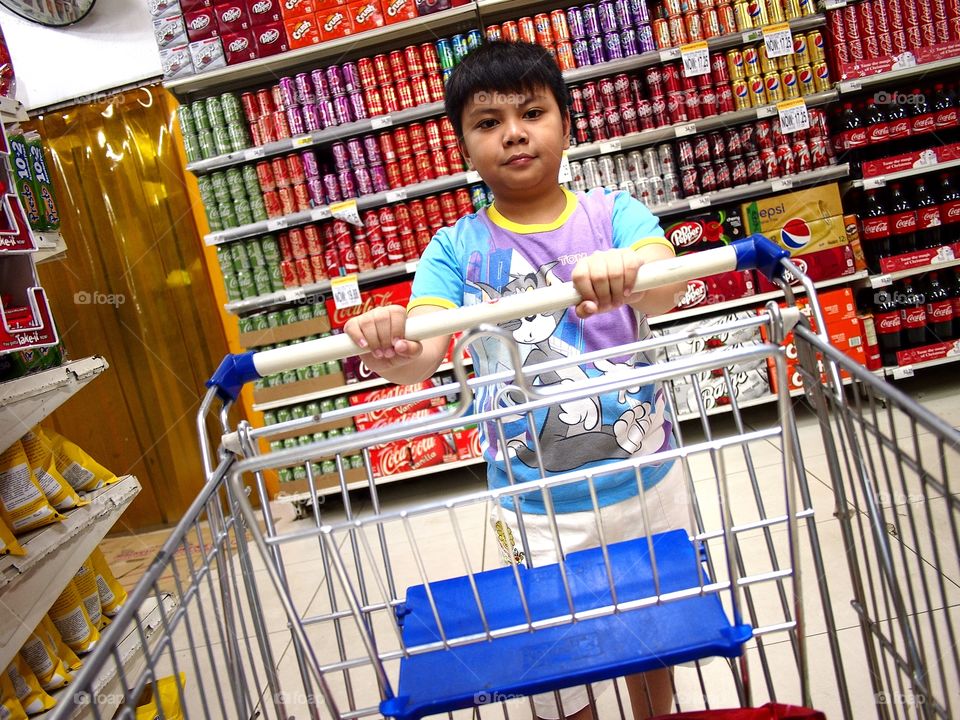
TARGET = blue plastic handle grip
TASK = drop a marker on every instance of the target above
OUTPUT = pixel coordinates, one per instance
(760, 253)
(234, 372)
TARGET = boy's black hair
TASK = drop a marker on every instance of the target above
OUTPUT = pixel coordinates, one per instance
(503, 67)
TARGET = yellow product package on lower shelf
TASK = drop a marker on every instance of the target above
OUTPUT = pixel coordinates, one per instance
(85, 581)
(27, 688)
(39, 449)
(40, 654)
(70, 660)
(112, 594)
(8, 543)
(23, 506)
(70, 616)
(165, 693)
(81, 471)
(10, 707)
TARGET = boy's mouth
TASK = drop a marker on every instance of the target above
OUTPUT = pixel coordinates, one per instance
(519, 159)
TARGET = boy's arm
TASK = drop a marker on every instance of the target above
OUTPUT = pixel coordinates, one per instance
(661, 299)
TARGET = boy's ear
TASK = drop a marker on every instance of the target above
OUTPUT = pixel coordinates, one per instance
(463, 151)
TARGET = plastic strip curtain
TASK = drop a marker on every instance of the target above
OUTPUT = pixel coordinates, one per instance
(133, 288)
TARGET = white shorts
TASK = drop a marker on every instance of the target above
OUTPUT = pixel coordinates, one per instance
(668, 508)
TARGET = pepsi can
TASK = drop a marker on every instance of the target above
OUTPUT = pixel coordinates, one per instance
(575, 21)
(591, 20)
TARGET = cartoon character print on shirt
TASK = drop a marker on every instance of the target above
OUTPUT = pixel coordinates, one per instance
(574, 434)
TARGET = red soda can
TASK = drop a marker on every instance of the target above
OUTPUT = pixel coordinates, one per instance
(288, 274)
(701, 149)
(414, 61)
(286, 252)
(281, 171)
(868, 30)
(281, 126)
(818, 151)
(725, 98)
(911, 24)
(722, 171)
(738, 171)
(297, 173)
(709, 105)
(405, 94)
(628, 115)
(621, 86)
(391, 235)
(881, 21)
(671, 77)
(364, 257)
(437, 88)
(718, 148)
(637, 92)
(769, 166)
(256, 138)
(560, 26)
(251, 108)
(659, 111)
(581, 127)
(801, 152)
(851, 26)
(431, 60)
(401, 143)
(689, 83)
(318, 267)
(408, 170)
(941, 20)
(424, 164)
(591, 96)
(418, 137)
(378, 251)
(434, 213)
(448, 207)
(727, 18)
(314, 240)
(786, 161)
(685, 157)
(607, 92)
(265, 176)
(388, 150)
(394, 175)
(367, 72)
(719, 69)
(455, 159)
(391, 103)
(298, 243)
(304, 271)
(694, 26)
(434, 134)
(611, 118)
(271, 201)
(754, 166)
(598, 126)
(331, 258)
(661, 33)
(374, 101)
(277, 94)
(655, 83)
(762, 135)
(398, 66)
(733, 142)
(748, 137)
(710, 18)
(645, 114)
(690, 180)
(677, 107)
(565, 56)
(678, 30)
(577, 104)
(265, 103)
(543, 29)
(464, 203)
(421, 90)
(301, 193)
(691, 103)
(510, 31)
(381, 66)
(527, 29)
(708, 178)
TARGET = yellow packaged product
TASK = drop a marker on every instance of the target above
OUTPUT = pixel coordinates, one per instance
(165, 693)
(112, 593)
(23, 506)
(8, 543)
(81, 471)
(85, 581)
(10, 707)
(70, 616)
(70, 660)
(40, 654)
(39, 451)
(27, 688)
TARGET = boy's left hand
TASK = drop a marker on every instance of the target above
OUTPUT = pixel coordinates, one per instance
(605, 281)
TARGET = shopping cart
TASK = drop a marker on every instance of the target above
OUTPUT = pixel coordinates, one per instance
(405, 612)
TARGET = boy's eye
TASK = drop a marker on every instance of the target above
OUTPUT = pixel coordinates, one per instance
(486, 124)
(534, 113)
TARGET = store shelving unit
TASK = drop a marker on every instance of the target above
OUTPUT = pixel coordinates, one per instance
(892, 77)
(904, 371)
(881, 180)
(54, 554)
(12, 110)
(885, 279)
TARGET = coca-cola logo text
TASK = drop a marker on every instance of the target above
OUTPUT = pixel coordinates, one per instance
(887, 323)
(914, 317)
(938, 312)
(391, 459)
(906, 222)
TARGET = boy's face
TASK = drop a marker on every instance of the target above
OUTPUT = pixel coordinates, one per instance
(515, 141)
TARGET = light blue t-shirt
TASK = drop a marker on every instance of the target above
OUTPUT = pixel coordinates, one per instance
(485, 256)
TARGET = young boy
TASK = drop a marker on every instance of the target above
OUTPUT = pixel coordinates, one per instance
(508, 104)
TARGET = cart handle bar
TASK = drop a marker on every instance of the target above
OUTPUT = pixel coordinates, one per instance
(754, 252)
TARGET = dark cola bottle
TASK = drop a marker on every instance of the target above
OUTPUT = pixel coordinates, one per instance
(875, 228)
(899, 128)
(886, 321)
(922, 117)
(913, 314)
(944, 107)
(939, 309)
(878, 129)
(949, 209)
(854, 133)
(953, 290)
(927, 206)
(903, 221)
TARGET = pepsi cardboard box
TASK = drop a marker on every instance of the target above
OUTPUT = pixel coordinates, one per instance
(702, 232)
(801, 222)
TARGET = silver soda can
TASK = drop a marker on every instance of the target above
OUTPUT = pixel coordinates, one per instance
(623, 169)
(628, 187)
(651, 163)
(635, 163)
(591, 173)
(658, 192)
(667, 162)
(671, 187)
(608, 171)
(578, 183)
(643, 190)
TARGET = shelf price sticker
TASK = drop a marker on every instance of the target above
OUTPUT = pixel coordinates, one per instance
(396, 196)
(278, 224)
(874, 182)
(879, 281)
(473, 177)
(253, 153)
(752, 35)
(347, 211)
(699, 201)
(696, 59)
(383, 121)
(766, 111)
(610, 146)
(320, 213)
(346, 291)
(302, 141)
(685, 129)
(670, 54)
(565, 175)
(781, 184)
(778, 40)
(793, 115)
(905, 371)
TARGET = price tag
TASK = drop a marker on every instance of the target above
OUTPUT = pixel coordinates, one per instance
(670, 54)
(781, 184)
(565, 174)
(346, 292)
(793, 115)
(610, 146)
(396, 196)
(778, 40)
(253, 153)
(411, 267)
(699, 201)
(851, 86)
(347, 211)
(874, 182)
(473, 177)
(766, 111)
(696, 59)
(320, 213)
(383, 121)
(903, 372)
(880, 281)
(684, 130)
(752, 35)
(294, 295)
(278, 224)
(302, 141)
(214, 239)
(834, 4)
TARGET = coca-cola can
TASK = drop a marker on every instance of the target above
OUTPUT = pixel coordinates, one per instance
(265, 176)
(295, 168)
(690, 180)
(701, 149)
(401, 143)
(331, 258)
(281, 172)
(692, 102)
(288, 201)
(786, 160)
(327, 112)
(659, 110)
(671, 77)
(301, 194)
(271, 201)
(331, 188)
(911, 25)
(868, 30)
(801, 153)
(418, 137)
(852, 33)
(295, 121)
(405, 94)
(709, 105)
(645, 114)
(287, 94)
(358, 106)
(677, 107)
(628, 116)
(391, 103)
(425, 167)
(281, 126)
(394, 176)
(408, 170)
(335, 82)
(367, 72)
(881, 21)
(707, 178)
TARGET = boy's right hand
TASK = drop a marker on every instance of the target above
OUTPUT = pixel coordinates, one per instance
(381, 332)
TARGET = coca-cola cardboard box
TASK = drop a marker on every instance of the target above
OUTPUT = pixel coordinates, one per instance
(826, 264)
(263, 12)
(705, 231)
(239, 47)
(302, 31)
(170, 32)
(428, 450)
(909, 161)
(164, 8)
(334, 23)
(297, 8)
(232, 17)
(395, 11)
(207, 55)
(396, 411)
(395, 294)
(390, 459)
(801, 222)
(718, 288)
(271, 39)
(937, 351)
(201, 24)
(176, 62)
(365, 15)
(468, 442)
(917, 55)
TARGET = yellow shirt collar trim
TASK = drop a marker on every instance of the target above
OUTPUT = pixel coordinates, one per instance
(497, 219)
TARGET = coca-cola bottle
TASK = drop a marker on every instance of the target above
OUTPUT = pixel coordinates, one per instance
(944, 107)
(921, 113)
(854, 133)
(875, 229)
(899, 128)
(903, 221)
(949, 209)
(886, 321)
(954, 291)
(913, 314)
(878, 130)
(928, 215)
(939, 309)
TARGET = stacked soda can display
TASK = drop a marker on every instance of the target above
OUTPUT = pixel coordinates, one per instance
(586, 35)
(270, 319)
(211, 127)
(417, 152)
(232, 197)
(649, 175)
(874, 29)
(678, 22)
(250, 267)
(758, 79)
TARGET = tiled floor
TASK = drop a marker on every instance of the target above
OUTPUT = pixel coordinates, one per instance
(915, 513)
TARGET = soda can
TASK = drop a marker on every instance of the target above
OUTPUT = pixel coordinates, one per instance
(597, 47)
(565, 56)
(543, 30)
(613, 121)
(773, 89)
(460, 48)
(691, 103)
(678, 30)
(802, 155)
(607, 14)
(367, 72)
(341, 156)
(689, 181)
(758, 56)
(657, 191)
(597, 123)
(405, 94)
(709, 104)
(751, 61)
(661, 33)
(754, 166)
(674, 7)
(271, 201)
(527, 29)
(710, 18)
(191, 146)
(510, 31)
(717, 147)
(651, 161)
(391, 103)
(421, 90)
(288, 200)
(769, 166)
(493, 33)
(719, 67)
(581, 52)
(786, 161)
(656, 84)
(677, 107)
(436, 87)
(693, 24)
(762, 136)
(580, 123)
(645, 39)
(398, 65)
(445, 54)
(590, 92)
(312, 119)
(408, 170)
(214, 112)
(685, 155)
(392, 171)
(658, 108)
(251, 108)
(358, 106)
(331, 188)
(607, 92)
(629, 42)
(591, 173)
(756, 91)
(701, 149)
(672, 77)
(591, 20)
(644, 110)
(295, 169)
(821, 77)
(721, 170)
(281, 126)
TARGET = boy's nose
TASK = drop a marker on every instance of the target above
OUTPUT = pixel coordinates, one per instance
(514, 133)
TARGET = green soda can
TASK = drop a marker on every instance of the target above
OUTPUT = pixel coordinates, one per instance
(255, 253)
(270, 247)
(289, 316)
(319, 437)
(304, 312)
(235, 185)
(328, 467)
(245, 281)
(244, 213)
(228, 215)
(276, 277)
(207, 194)
(215, 112)
(261, 279)
(326, 405)
(298, 412)
(261, 383)
(225, 259)
(333, 367)
(221, 190)
(221, 140)
(260, 322)
(239, 140)
(259, 208)
(245, 324)
(446, 55)
(238, 252)
(478, 196)
(276, 445)
(231, 104)
(284, 415)
(319, 369)
(348, 430)
(187, 124)
(305, 440)
(356, 461)
(341, 402)
(313, 409)
(290, 443)
(335, 433)
(232, 285)
(269, 418)
(191, 147)
(200, 118)
(289, 376)
(320, 310)
(250, 180)
(304, 373)
(285, 474)
(208, 147)
(299, 473)
(273, 319)
(213, 217)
